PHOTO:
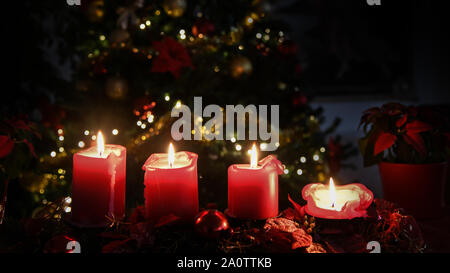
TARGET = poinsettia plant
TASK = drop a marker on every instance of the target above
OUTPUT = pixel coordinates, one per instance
(405, 134)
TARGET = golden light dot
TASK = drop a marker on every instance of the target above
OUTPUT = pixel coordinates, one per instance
(216, 69)
(322, 149)
(60, 131)
(61, 149)
(102, 37)
(53, 154)
(115, 132)
(41, 191)
(277, 144)
(241, 47)
(258, 35)
(238, 147)
(148, 23)
(143, 126)
(94, 137)
(143, 138)
(157, 12)
(303, 159)
(86, 132)
(167, 98)
(60, 171)
(81, 144)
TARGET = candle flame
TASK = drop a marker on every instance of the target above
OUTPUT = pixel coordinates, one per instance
(171, 155)
(254, 157)
(332, 191)
(100, 144)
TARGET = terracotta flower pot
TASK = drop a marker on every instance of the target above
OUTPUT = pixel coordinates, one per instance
(418, 188)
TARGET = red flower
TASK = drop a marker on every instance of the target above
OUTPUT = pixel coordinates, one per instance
(6, 146)
(172, 57)
(384, 141)
(413, 137)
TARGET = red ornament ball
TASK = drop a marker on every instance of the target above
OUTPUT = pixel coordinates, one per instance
(62, 244)
(211, 223)
(203, 26)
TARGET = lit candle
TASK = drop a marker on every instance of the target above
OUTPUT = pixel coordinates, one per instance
(98, 184)
(171, 185)
(337, 202)
(253, 188)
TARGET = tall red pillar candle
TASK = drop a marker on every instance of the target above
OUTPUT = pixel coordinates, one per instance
(98, 184)
(171, 185)
(253, 188)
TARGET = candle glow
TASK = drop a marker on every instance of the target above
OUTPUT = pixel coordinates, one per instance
(100, 144)
(337, 202)
(254, 158)
(171, 156)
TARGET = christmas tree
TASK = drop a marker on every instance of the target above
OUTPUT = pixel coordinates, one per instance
(136, 60)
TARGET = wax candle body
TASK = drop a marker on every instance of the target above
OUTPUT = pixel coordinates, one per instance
(98, 185)
(351, 201)
(253, 192)
(171, 190)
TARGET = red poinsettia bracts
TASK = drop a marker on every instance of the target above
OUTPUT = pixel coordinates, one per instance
(398, 127)
(172, 57)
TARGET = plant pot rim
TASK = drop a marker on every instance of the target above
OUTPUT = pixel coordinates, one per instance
(413, 164)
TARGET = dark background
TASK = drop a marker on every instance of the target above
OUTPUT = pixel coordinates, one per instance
(408, 39)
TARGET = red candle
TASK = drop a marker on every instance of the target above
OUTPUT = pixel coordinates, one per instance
(337, 202)
(98, 184)
(171, 185)
(253, 188)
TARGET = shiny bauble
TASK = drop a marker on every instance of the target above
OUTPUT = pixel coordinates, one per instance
(95, 11)
(211, 224)
(116, 87)
(239, 66)
(174, 8)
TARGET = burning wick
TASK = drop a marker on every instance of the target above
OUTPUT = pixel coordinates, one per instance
(332, 192)
(171, 155)
(254, 158)
(100, 144)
